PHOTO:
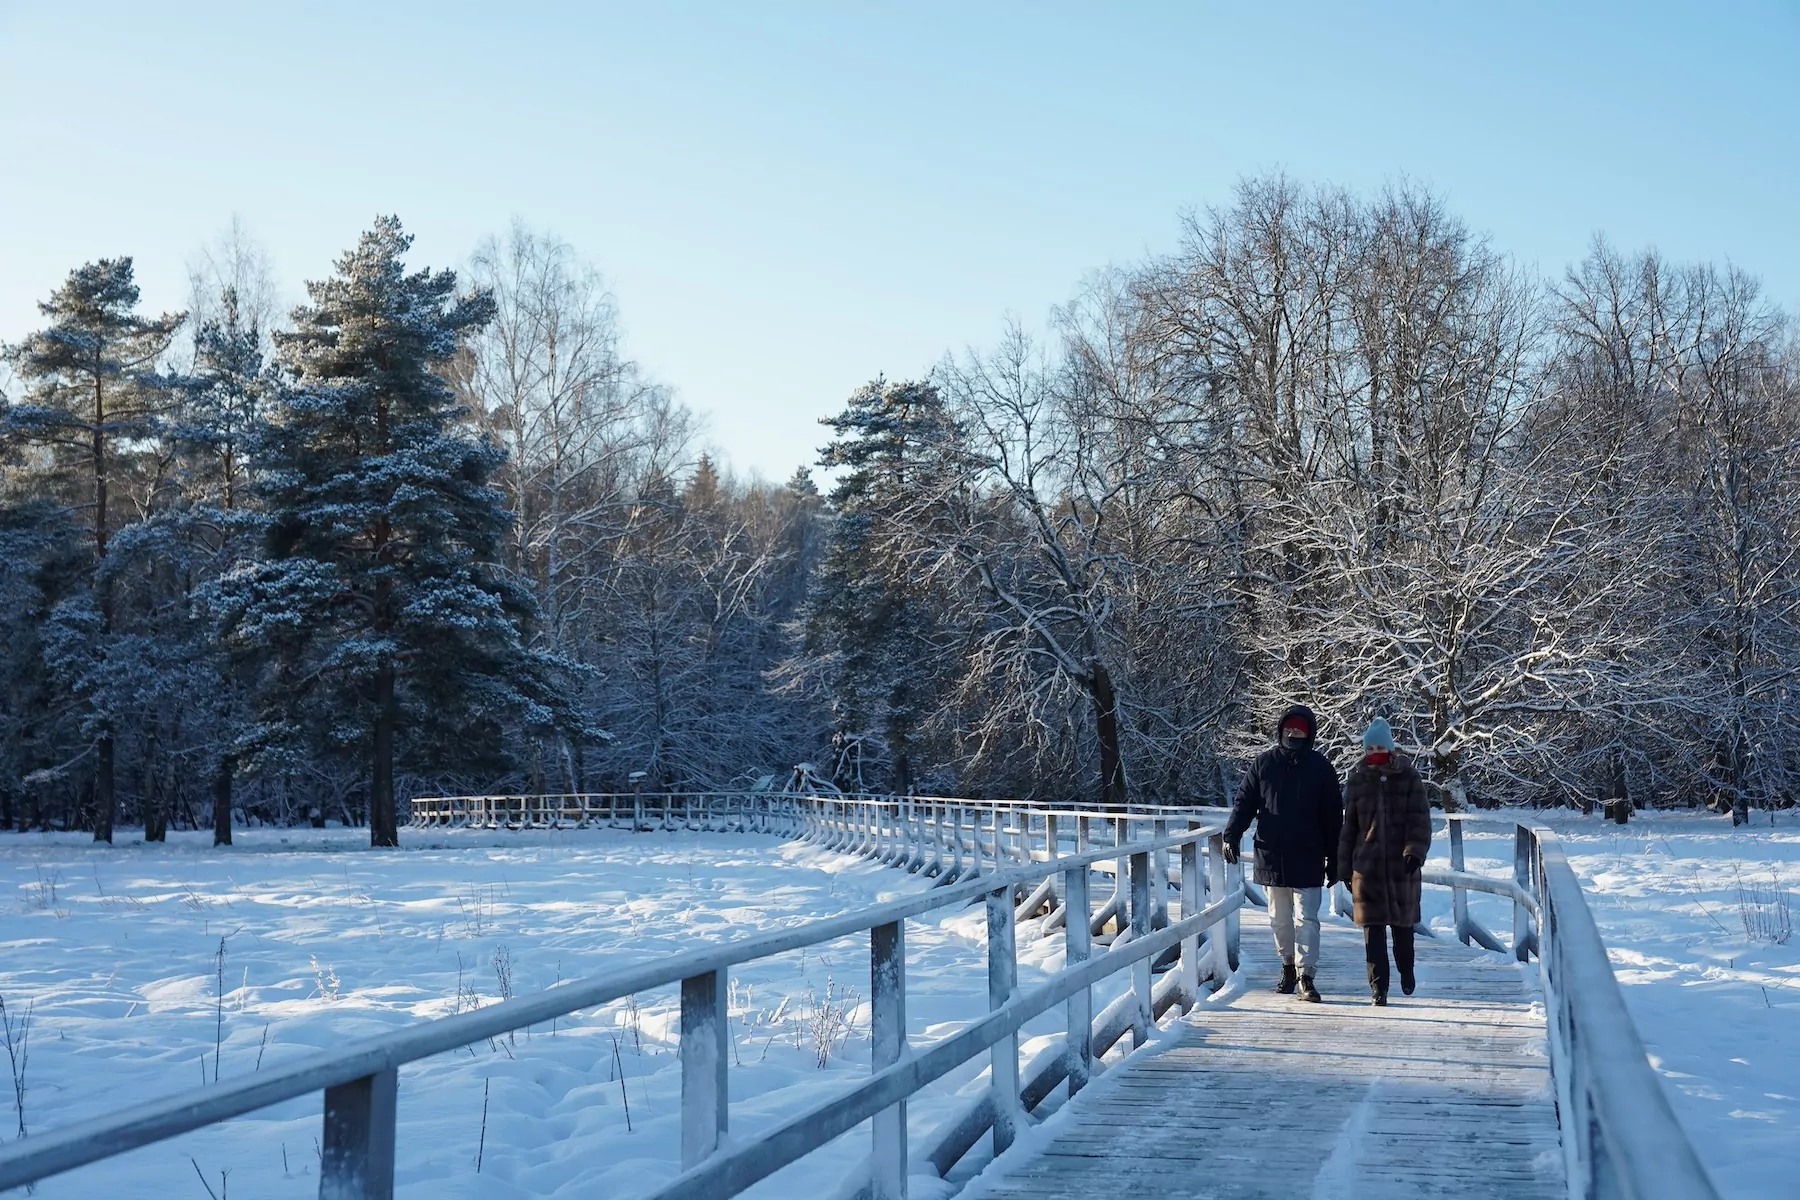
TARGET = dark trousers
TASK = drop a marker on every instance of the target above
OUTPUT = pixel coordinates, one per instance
(1375, 951)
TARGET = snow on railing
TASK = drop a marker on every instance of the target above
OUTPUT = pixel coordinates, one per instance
(980, 853)
(1620, 1136)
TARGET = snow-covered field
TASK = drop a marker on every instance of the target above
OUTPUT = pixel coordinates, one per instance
(116, 952)
(1719, 1012)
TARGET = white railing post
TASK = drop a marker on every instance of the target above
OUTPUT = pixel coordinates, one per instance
(1003, 980)
(1159, 877)
(1218, 885)
(1121, 875)
(1141, 911)
(1459, 898)
(705, 1060)
(1077, 946)
(935, 815)
(1521, 930)
(356, 1154)
(1190, 904)
(887, 1037)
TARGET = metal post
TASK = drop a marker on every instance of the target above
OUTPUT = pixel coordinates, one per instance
(1190, 904)
(1140, 928)
(356, 1155)
(705, 1059)
(1077, 946)
(1459, 898)
(887, 1036)
(1003, 980)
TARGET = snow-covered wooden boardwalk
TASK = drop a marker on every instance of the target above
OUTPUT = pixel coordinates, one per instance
(1444, 1093)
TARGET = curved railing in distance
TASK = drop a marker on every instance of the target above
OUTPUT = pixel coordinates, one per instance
(988, 857)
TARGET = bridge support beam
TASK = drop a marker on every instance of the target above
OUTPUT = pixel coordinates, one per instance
(887, 1035)
(356, 1155)
(705, 1061)
(1077, 946)
(1142, 914)
(1003, 980)
(1190, 904)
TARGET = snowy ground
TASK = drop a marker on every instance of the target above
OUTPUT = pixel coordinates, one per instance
(116, 950)
(1718, 1011)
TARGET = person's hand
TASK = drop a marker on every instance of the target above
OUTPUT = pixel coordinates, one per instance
(1413, 863)
(1331, 871)
(1231, 852)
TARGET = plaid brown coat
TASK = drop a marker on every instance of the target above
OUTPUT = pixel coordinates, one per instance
(1386, 815)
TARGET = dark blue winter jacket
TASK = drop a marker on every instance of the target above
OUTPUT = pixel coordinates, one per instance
(1297, 804)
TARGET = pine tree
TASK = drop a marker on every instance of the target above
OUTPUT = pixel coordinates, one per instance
(381, 619)
(869, 621)
(190, 699)
(93, 384)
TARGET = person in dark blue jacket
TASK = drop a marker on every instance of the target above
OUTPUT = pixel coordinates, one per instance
(1293, 795)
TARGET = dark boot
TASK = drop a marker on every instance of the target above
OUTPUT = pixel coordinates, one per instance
(1378, 985)
(1307, 991)
(1288, 979)
(1403, 957)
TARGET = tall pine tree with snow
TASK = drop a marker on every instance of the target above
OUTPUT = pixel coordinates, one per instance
(876, 629)
(384, 628)
(94, 398)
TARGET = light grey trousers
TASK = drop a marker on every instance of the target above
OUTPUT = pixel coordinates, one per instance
(1288, 927)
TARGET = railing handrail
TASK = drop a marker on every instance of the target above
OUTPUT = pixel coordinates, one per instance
(1620, 1135)
(105, 1137)
(1635, 1145)
(1033, 807)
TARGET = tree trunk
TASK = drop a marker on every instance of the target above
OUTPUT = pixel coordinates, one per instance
(154, 804)
(1106, 727)
(221, 790)
(105, 803)
(384, 828)
(105, 800)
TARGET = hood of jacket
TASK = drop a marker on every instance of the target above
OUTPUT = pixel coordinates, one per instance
(1305, 714)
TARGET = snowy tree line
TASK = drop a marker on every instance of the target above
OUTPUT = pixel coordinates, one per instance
(437, 532)
(1334, 449)
(426, 533)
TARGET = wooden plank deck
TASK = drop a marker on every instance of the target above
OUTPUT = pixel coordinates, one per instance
(1446, 1093)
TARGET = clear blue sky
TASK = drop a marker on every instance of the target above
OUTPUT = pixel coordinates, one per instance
(792, 198)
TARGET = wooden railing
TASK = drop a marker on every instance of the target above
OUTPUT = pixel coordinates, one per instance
(1014, 859)
(1620, 1136)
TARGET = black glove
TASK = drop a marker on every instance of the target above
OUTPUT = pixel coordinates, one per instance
(1331, 871)
(1412, 862)
(1231, 852)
